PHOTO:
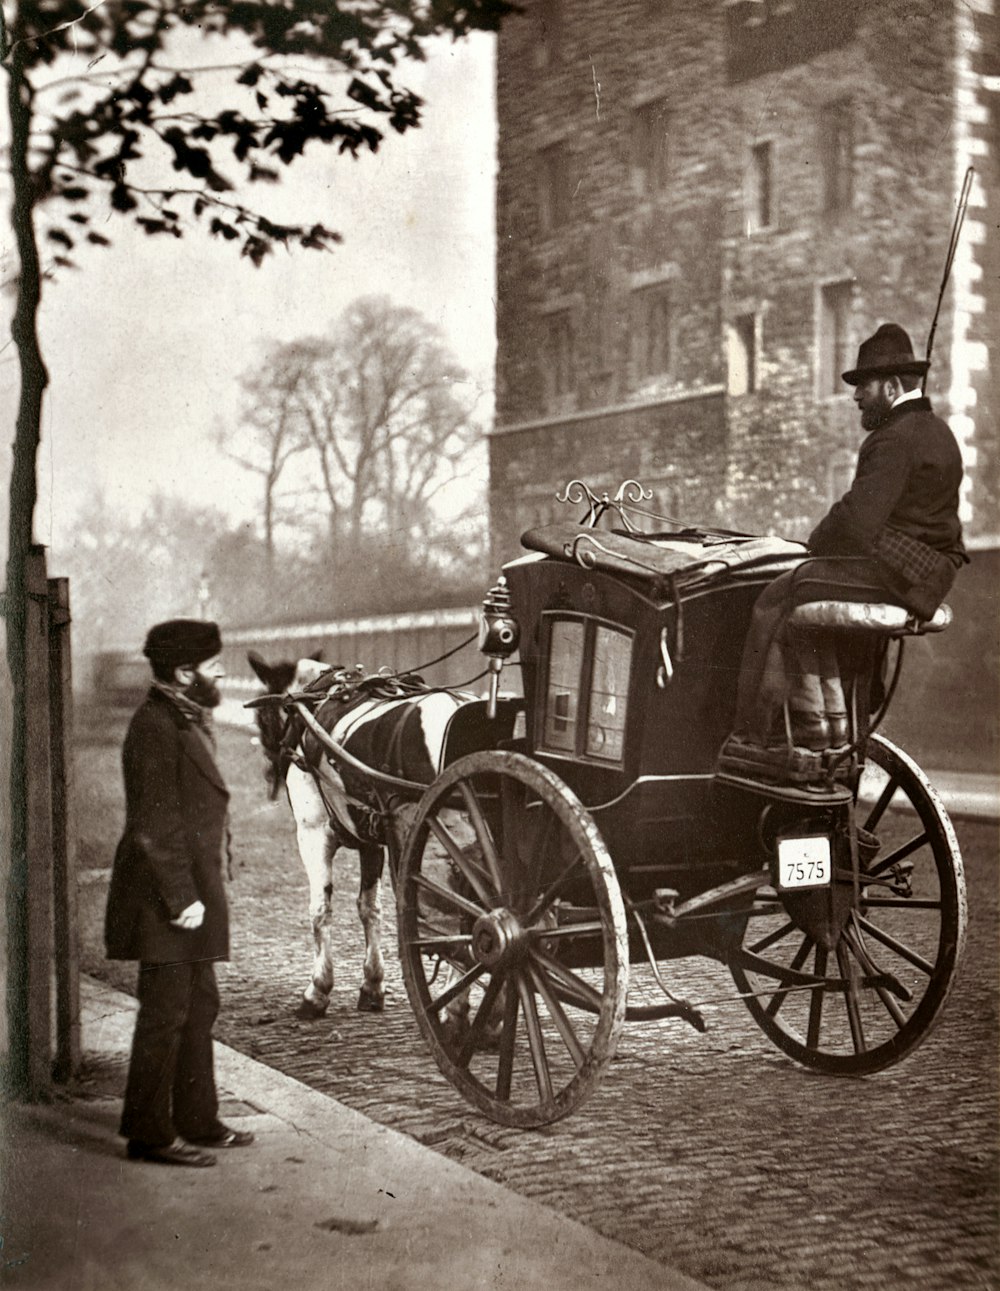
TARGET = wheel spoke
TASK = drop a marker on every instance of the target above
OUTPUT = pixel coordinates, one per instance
(440, 941)
(850, 980)
(570, 930)
(505, 1065)
(900, 854)
(556, 1012)
(471, 872)
(536, 1042)
(447, 894)
(771, 938)
(800, 957)
(456, 989)
(551, 892)
(816, 1001)
(575, 985)
(904, 952)
(483, 835)
(872, 970)
(884, 798)
(480, 1021)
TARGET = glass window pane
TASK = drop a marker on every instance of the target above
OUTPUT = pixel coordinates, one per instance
(609, 694)
(562, 699)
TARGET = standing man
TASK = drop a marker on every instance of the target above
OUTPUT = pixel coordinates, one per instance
(167, 900)
(894, 536)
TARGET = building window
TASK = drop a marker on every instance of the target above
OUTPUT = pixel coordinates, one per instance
(837, 153)
(549, 17)
(653, 332)
(553, 186)
(834, 338)
(650, 148)
(741, 354)
(559, 356)
(759, 188)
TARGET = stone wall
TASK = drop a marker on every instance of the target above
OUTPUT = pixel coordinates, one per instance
(584, 234)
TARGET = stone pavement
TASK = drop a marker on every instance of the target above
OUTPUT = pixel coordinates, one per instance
(325, 1198)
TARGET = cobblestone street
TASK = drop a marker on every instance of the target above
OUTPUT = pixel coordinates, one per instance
(711, 1152)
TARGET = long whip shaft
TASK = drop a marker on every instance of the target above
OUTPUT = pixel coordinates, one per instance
(956, 232)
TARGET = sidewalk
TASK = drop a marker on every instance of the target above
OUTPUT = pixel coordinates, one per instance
(325, 1200)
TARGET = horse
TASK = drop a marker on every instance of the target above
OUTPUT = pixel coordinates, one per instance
(395, 724)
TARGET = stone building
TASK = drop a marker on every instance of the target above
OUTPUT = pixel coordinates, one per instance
(702, 207)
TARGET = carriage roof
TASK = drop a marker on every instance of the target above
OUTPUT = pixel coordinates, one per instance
(661, 563)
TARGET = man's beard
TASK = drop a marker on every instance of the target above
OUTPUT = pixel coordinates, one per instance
(873, 416)
(204, 691)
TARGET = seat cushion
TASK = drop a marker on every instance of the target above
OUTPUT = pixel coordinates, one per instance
(893, 620)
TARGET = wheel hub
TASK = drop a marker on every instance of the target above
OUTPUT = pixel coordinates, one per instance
(498, 938)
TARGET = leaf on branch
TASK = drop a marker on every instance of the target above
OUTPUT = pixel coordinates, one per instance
(122, 199)
(205, 130)
(365, 95)
(75, 193)
(78, 218)
(262, 174)
(256, 248)
(63, 262)
(98, 239)
(262, 101)
(219, 227)
(178, 84)
(64, 239)
(250, 75)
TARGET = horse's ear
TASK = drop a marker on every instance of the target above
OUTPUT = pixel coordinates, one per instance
(317, 655)
(259, 667)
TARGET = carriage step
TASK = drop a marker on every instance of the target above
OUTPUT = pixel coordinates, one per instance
(784, 764)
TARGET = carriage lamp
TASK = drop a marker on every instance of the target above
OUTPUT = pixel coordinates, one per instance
(499, 635)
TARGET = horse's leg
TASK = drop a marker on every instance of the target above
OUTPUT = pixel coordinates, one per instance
(372, 996)
(317, 845)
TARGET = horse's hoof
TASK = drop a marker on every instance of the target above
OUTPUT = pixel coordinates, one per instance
(370, 1002)
(309, 1011)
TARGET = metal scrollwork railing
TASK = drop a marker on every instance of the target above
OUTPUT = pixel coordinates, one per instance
(625, 503)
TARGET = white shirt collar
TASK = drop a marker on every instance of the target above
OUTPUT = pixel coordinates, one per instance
(907, 394)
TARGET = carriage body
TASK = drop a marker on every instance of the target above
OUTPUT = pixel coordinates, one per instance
(547, 859)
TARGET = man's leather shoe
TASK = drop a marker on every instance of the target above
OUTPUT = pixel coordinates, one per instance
(224, 1137)
(176, 1153)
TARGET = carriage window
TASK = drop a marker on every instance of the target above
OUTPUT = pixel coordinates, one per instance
(562, 700)
(609, 694)
(586, 692)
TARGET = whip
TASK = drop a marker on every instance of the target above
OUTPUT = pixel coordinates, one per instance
(956, 232)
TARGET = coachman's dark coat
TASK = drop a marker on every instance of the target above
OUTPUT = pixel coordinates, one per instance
(173, 850)
(906, 487)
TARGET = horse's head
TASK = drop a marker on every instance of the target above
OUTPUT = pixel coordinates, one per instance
(272, 722)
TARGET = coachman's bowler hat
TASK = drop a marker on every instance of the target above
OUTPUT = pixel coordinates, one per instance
(886, 354)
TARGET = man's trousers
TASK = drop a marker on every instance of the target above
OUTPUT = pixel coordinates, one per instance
(769, 666)
(171, 1078)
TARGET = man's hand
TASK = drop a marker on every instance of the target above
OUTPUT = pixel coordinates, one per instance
(190, 918)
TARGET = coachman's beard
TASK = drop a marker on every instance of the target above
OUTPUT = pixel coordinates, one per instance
(204, 691)
(873, 416)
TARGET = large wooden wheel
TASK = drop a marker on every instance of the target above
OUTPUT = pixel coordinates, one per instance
(886, 980)
(512, 938)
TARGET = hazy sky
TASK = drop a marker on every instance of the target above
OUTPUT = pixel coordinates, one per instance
(146, 341)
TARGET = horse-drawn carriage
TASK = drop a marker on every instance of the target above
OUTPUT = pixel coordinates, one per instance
(591, 824)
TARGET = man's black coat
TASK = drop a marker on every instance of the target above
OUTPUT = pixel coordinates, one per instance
(173, 850)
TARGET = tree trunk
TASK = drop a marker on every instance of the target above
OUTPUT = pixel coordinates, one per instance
(23, 494)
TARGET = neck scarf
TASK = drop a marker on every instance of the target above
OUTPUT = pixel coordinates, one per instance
(199, 717)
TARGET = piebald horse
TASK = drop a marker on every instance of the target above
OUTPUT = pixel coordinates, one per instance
(396, 725)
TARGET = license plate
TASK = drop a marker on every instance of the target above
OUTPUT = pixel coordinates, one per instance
(804, 862)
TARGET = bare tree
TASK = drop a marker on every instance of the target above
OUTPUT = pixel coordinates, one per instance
(270, 432)
(387, 412)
